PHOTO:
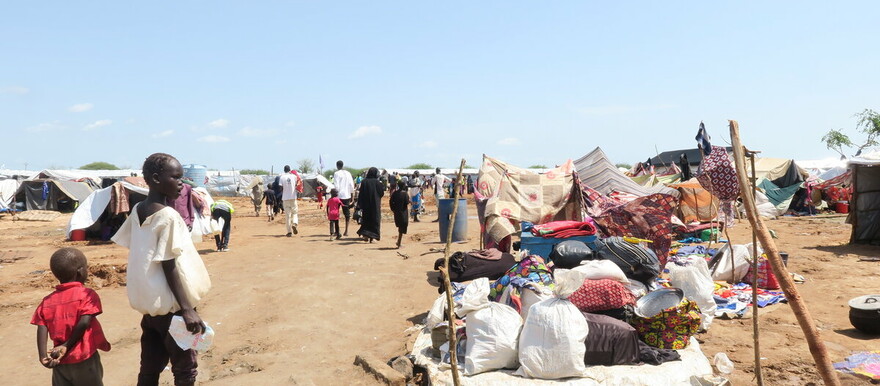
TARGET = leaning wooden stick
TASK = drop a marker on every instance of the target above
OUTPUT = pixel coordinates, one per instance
(450, 305)
(798, 306)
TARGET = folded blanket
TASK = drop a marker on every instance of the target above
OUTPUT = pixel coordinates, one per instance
(564, 229)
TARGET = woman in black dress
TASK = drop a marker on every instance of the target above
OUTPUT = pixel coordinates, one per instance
(369, 200)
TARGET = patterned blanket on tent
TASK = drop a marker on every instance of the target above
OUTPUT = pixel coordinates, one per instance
(516, 194)
(717, 175)
(647, 217)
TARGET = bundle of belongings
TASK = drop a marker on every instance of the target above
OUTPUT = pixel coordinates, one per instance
(570, 318)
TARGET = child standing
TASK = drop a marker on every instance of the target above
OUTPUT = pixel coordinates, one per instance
(165, 276)
(68, 316)
(398, 203)
(333, 206)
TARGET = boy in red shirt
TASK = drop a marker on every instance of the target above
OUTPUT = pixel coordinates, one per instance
(68, 316)
(333, 206)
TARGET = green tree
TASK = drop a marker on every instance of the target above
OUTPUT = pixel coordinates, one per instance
(259, 172)
(99, 166)
(868, 123)
(420, 165)
(305, 165)
(622, 165)
(538, 166)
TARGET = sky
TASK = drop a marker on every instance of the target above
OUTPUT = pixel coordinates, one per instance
(256, 85)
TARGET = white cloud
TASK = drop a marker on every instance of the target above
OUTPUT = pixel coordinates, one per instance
(290, 124)
(15, 90)
(213, 138)
(623, 109)
(80, 107)
(364, 131)
(97, 124)
(428, 144)
(509, 141)
(252, 132)
(54, 125)
(163, 134)
(219, 123)
(280, 141)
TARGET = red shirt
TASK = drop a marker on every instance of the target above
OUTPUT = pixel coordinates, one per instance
(60, 311)
(333, 205)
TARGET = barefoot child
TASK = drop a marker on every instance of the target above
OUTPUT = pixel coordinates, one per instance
(319, 194)
(68, 316)
(166, 275)
(398, 203)
(333, 206)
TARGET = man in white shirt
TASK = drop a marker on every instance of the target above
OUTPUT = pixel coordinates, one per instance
(345, 187)
(288, 198)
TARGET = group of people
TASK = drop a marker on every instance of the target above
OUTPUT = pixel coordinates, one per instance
(165, 278)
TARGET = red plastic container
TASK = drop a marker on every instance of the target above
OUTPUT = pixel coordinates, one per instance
(78, 235)
(841, 207)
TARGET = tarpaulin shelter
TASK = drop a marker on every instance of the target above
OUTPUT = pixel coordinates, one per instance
(512, 194)
(311, 182)
(8, 187)
(864, 207)
(596, 171)
(50, 194)
(100, 207)
(783, 183)
(695, 203)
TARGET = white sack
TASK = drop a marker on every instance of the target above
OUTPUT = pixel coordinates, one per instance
(532, 295)
(601, 269)
(551, 345)
(723, 271)
(696, 282)
(766, 209)
(438, 309)
(492, 330)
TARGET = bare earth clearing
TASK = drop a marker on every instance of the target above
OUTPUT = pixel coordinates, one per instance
(297, 310)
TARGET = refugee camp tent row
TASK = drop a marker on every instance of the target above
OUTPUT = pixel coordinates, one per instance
(50, 194)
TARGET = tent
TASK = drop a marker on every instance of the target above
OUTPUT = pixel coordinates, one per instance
(783, 184)
(598, 172)
(50, 194)
(864, 207)
(8, 187)
(507, 195)
(696, 203)
(102, 207)
(311, 182)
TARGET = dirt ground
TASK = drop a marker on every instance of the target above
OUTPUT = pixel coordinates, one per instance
(297, 310)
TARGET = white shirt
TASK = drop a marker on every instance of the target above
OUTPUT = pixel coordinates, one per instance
(439, 181)
(163, 236)
(288, 182)
(344, 184)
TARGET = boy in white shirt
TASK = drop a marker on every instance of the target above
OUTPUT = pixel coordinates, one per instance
(345, 187)
(165, 276)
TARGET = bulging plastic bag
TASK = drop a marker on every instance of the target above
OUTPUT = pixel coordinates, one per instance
(551, 345)
(569, 253)
(691, 274)
(492, 330)
(724, 270)
(188, 341)
(602, 269)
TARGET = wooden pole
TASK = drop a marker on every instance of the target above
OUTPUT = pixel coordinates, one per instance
(755, 330)
(450, 305)
(798, 306)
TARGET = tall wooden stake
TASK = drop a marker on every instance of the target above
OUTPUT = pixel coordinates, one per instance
(755, 330)
(450, 305)
(798, 306)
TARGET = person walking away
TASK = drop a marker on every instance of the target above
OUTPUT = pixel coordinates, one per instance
(345, 187)
(392, 182)
(165, 275)
(415, 195)
(288, 198)
(370, 202)
(69, 317)
(319, 195)
(279, 192)
(399, 203)
(334, 204)
(257, 195)
(222, 209)
(440, 182)
(271, 205)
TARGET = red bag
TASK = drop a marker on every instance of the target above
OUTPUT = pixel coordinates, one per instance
(766, 278)
(601, 295)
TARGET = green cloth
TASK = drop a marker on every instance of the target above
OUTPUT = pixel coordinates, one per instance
(779, 197)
